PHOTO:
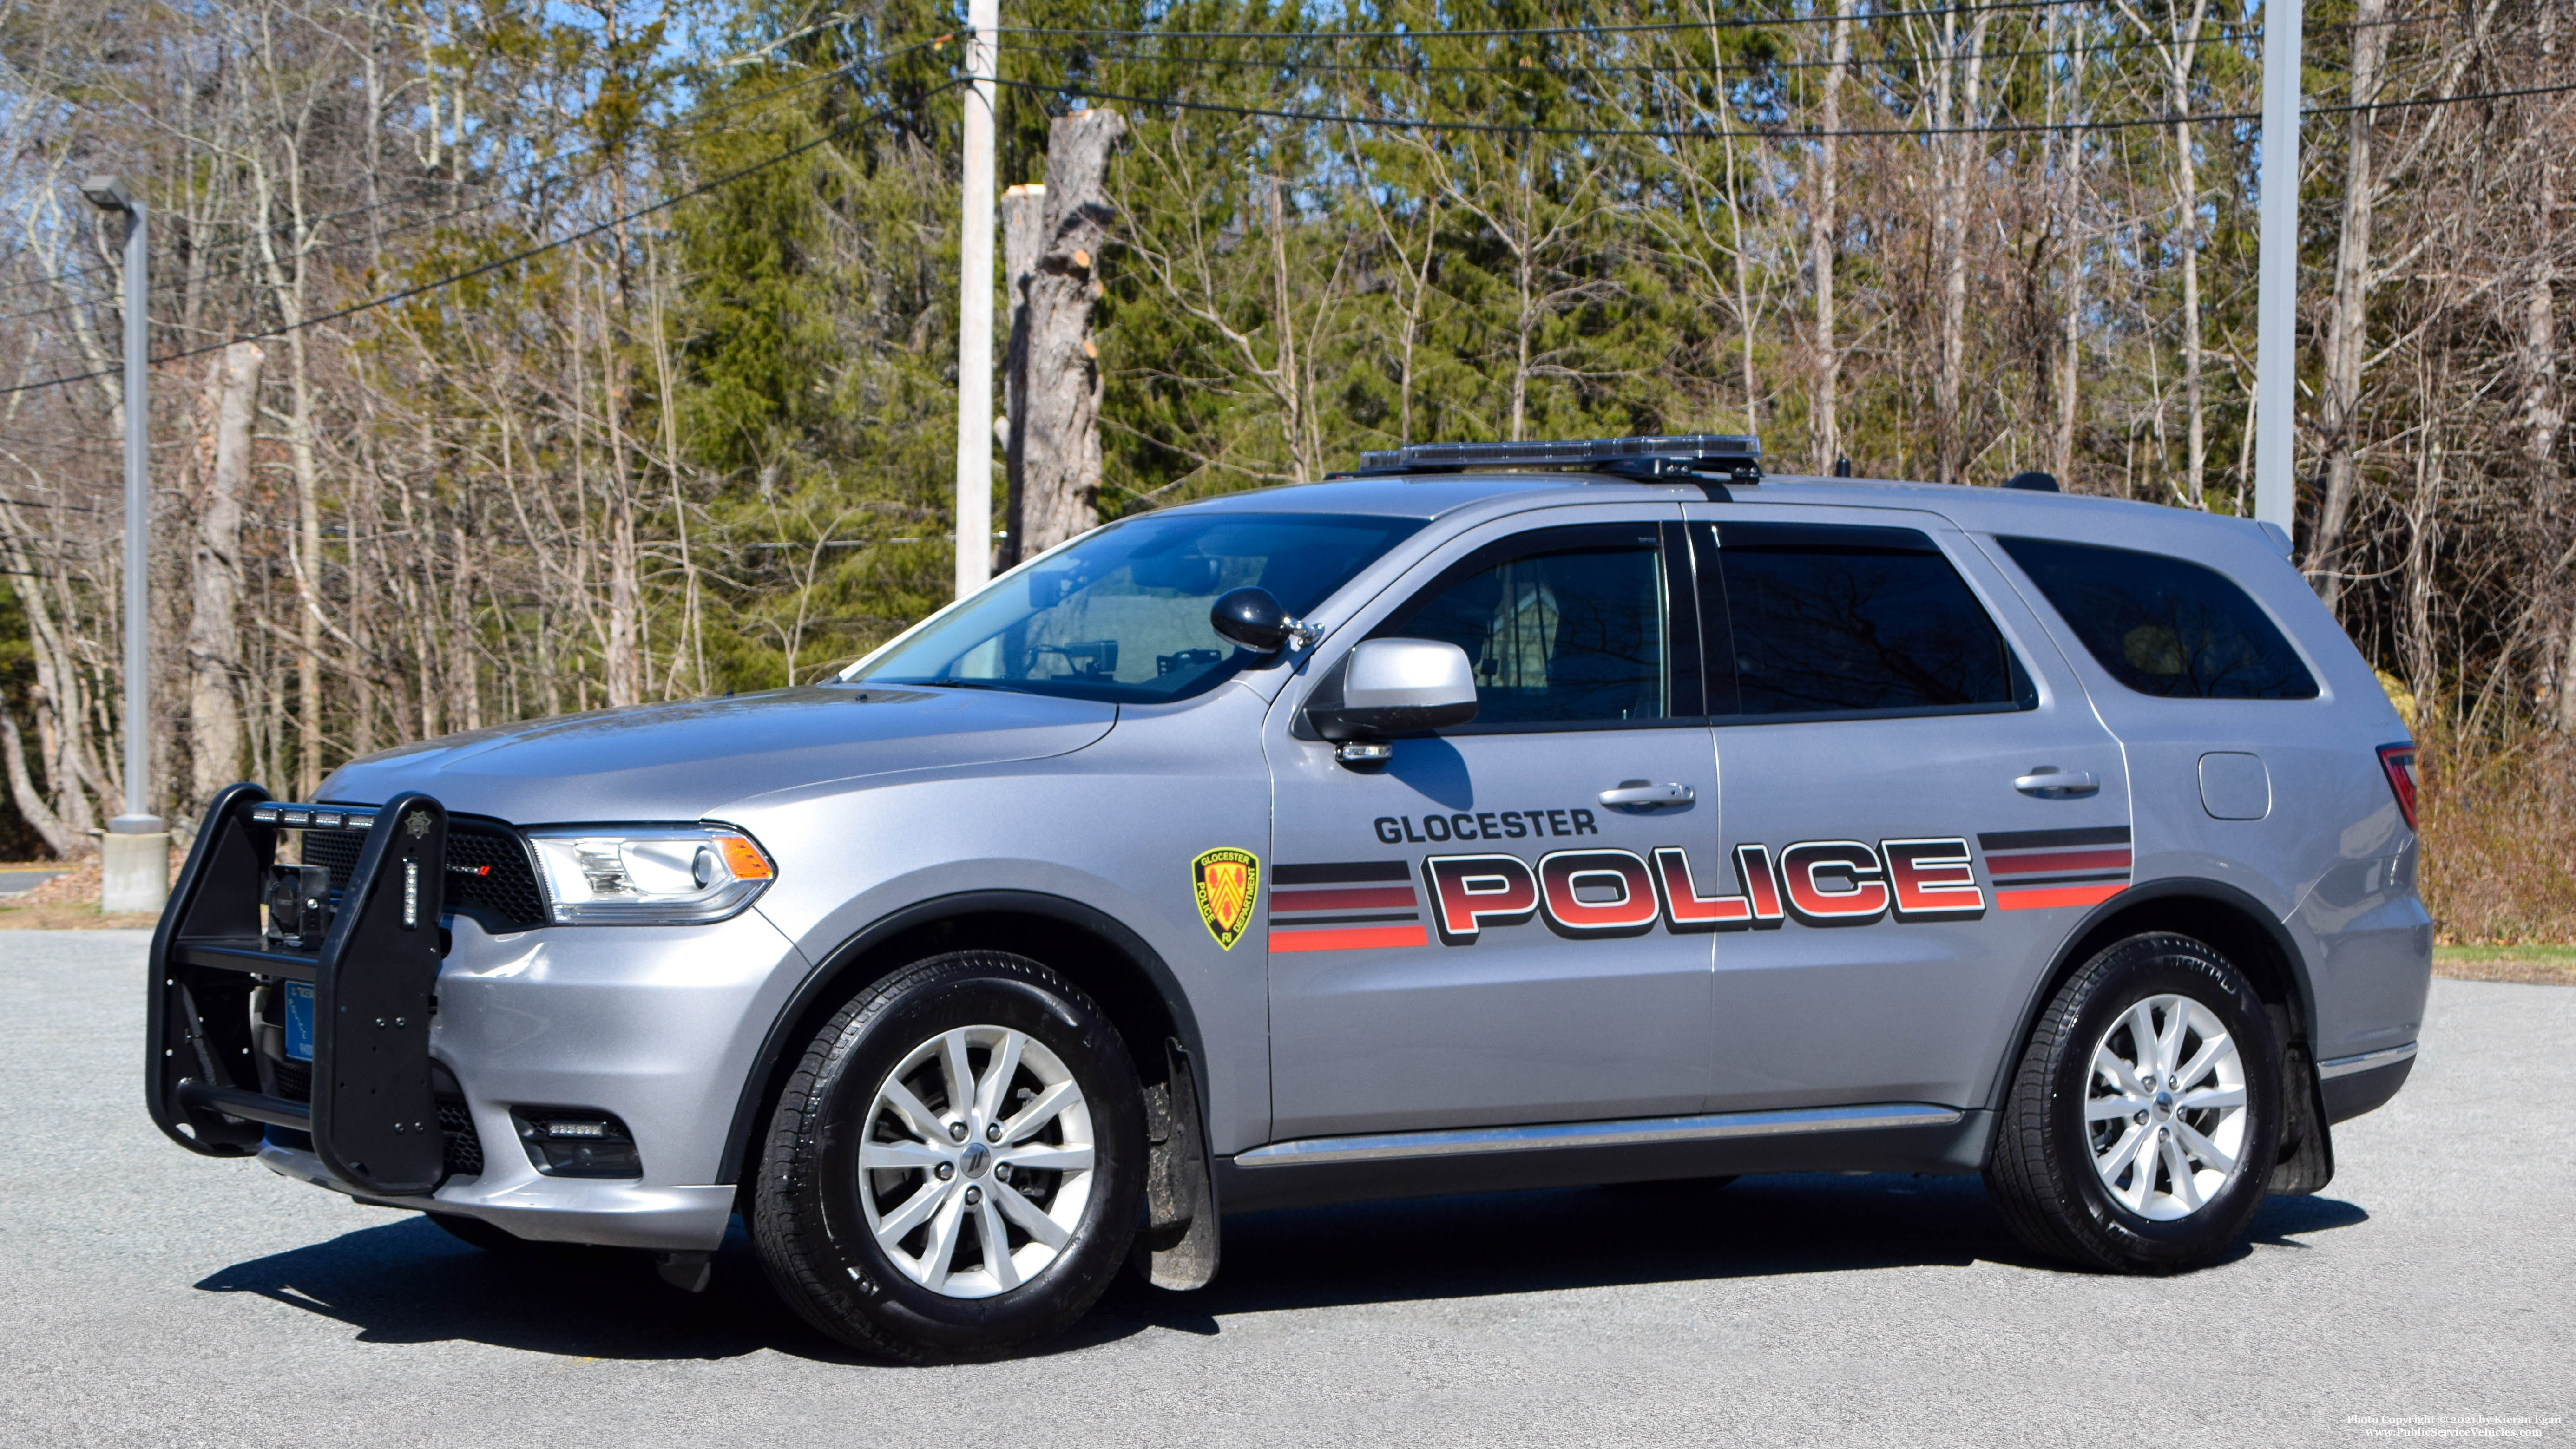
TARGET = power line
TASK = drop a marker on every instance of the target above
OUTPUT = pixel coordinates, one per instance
(1732, 23)
(1649, 133)
(1400, 68)
(671, 128)
(1755, 131)
(837, 132)
(1659, 27)
(885, 112)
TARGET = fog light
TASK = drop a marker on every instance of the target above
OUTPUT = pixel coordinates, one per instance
(575, 1142)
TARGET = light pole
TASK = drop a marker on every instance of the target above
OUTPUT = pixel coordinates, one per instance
(134, 859)
(975, 309)
(2276, 309)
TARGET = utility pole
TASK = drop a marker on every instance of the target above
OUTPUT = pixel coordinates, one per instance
(975, 310)
(134, 859)
(2276, 350)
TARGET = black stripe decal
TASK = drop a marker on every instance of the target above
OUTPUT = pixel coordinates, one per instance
(1350, 871)
(1293, 920)
(2016, 882)
(2042, 839)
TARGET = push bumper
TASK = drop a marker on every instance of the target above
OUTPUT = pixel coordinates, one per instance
(654, 1026)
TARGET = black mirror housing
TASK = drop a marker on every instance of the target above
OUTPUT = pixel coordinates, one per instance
(1252, 618)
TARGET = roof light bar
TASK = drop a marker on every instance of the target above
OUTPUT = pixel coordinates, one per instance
(1735, 457)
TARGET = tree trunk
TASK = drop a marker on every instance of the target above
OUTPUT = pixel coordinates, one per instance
(1821, 226)
(1023, 234)
(2180, 61)
(1951, 226)
(59, 837)
(1055, 409)
(2542, 416)
(215, 579)
(2347, 323)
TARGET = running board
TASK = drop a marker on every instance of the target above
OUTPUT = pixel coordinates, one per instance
(1629, 1132)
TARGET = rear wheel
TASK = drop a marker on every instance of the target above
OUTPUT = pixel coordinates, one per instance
(957, 1165)
(2142, 1125)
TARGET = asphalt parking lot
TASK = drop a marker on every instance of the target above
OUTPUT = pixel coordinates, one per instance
(153, 1297)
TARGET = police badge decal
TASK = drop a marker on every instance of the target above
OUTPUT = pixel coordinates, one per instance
(1227, 883)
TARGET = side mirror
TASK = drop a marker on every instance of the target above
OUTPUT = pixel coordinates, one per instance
(1392, 687)
(1253, 619)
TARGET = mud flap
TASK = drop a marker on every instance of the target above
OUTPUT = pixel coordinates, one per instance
(2306, 1162)
(1178, 1247)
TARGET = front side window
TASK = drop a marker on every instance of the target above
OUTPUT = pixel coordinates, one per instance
(1122, 615)
(1823, 619)
(2163, 626)
(1565, 629)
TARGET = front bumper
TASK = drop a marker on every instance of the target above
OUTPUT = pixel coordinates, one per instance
(657, 1025)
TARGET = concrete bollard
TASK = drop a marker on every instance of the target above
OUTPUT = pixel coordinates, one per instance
(134, 871)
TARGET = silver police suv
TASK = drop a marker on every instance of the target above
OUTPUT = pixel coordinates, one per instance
(1495, 816)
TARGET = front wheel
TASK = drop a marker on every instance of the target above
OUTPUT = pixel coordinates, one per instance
(2141, 1128)
(957, 1164)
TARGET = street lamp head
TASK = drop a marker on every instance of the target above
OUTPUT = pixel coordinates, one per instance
(108, 193)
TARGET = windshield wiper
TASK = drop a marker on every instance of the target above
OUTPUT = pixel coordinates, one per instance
(961, 684)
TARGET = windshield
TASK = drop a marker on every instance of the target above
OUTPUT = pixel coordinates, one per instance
(1122, 615)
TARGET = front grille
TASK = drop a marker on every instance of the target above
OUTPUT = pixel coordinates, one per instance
(489, 876)
(456, 1132)
(507, 896)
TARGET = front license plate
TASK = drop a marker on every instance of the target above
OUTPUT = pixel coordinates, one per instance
(299, 1021)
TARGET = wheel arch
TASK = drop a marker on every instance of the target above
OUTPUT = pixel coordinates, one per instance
(2228, 919)
(1127, 978)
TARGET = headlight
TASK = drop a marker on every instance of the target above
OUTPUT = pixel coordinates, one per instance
(656, 875)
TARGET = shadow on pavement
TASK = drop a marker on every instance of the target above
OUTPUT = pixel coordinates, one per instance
(409, 1282)
(1537, 1242)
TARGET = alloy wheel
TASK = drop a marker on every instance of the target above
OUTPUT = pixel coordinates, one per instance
(2165, 1115)
(977, 1162)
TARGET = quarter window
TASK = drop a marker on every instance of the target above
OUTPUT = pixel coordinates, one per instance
(2163, 626)
(1827, 620)
(1561, 636)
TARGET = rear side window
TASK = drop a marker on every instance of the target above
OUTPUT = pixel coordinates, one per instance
(2162, 626)
(1819, 619)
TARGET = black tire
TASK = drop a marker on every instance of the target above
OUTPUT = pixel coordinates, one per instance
(2041, 1172)
(809, 1223)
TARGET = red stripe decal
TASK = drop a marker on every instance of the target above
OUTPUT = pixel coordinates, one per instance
(2038, 899)
(1371, 898)
(2056, 862)
(1351, 939)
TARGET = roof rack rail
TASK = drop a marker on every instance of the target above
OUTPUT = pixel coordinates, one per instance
(1734, 458)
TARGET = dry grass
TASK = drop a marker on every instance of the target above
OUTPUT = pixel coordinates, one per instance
(69, 902)
(2500, 842)
(2532, 965)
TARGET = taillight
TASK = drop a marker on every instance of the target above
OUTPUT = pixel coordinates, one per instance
(2399, 762)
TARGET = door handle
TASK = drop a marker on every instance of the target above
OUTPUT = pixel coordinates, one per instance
(1639, 797)
(2051, 783)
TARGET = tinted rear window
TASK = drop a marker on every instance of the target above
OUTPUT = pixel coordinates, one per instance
(1825, 619)
(2163, 626)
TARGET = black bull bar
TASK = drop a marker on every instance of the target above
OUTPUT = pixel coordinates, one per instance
(372, 1116)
